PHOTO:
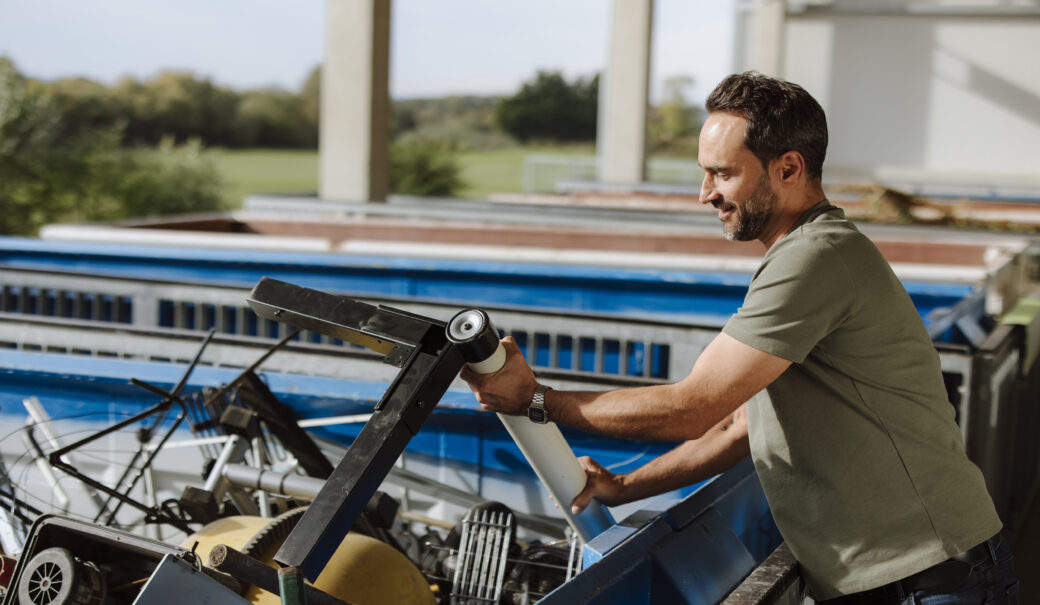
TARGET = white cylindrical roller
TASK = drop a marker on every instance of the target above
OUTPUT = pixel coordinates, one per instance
(541, 444)
(555, 464)
(491, 364)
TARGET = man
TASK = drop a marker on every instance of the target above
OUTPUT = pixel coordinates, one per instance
(856, 444)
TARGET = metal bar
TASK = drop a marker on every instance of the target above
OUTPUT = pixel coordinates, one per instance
(376, 328)
(462, 563)
(160, 417)
(490, 568)
(57, 454)
(61, 302)
(404, 408)
(78, 302)
(45, 468)
(290, 586)
(428, 362)
(43, 421)
(480, 527)
(148, 462)
(247, 569)
(256, 364)
(501, 575)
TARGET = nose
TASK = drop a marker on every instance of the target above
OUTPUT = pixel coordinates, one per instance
(708, 192)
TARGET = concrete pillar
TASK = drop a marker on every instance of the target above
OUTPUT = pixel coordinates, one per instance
(767, 37)
(355, 101)
(624, 92)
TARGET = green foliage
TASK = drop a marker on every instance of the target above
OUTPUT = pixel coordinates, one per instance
(167, 179)
(52, 171)
(550, 109)
(423, 167)
(463, 122)
(310, 102)
(273, 118)
(180, 105)
(675, 124)
(184, 106)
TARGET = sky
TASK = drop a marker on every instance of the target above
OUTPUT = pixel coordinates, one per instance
(437, 48)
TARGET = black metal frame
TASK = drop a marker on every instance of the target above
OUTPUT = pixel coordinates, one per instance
(428, 362)
(120, 492)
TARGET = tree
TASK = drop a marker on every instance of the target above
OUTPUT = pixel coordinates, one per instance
(52, 171)
(310, 101)
(272, 118)
(551, 109)
(178, 104)
(87, 106)
(675, 123)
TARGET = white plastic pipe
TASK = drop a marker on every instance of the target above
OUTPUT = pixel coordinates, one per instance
(555, 464)
(541, 444)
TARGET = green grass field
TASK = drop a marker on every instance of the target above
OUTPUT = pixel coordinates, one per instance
(296, 171)
(248, 171)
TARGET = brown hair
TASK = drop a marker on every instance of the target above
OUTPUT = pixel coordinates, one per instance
(780, 116)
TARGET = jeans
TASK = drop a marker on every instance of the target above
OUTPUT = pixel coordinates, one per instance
(991, 582)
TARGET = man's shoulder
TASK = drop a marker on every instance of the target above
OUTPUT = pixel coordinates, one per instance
(824, 235)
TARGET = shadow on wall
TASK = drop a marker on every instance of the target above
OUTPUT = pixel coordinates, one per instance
(993, 87)
(877, 113)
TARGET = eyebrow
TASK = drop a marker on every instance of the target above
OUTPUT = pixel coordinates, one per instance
(714, 168)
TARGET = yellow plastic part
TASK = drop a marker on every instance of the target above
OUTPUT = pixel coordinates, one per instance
(362, 571)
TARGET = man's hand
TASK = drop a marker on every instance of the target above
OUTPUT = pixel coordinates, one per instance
(507, 391)
(601, 484)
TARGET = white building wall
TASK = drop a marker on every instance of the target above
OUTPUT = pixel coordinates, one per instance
(942, 99)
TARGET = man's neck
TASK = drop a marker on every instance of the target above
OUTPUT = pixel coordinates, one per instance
(787, 214)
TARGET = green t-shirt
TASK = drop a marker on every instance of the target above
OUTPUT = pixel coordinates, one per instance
(856, 445)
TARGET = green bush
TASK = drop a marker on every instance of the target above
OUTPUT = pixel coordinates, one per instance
(51, 172)
(550, 109)
(424, 167)
(168, 179)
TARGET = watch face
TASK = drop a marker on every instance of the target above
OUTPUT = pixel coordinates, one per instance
(537, 415)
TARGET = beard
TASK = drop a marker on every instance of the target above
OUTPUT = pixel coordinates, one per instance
(752, 217)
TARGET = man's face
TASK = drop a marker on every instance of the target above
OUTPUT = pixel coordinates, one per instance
(734, 181)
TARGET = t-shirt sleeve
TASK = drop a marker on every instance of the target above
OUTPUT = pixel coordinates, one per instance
(800, 294)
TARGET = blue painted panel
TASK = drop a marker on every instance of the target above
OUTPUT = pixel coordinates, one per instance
(72, 386)
(692, 553)
(697, 296)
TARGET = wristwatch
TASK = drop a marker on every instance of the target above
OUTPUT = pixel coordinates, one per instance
(536, 412)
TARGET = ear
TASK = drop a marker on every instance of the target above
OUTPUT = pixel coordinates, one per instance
(789, 167)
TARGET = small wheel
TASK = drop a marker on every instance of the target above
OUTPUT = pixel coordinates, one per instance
(55, 577)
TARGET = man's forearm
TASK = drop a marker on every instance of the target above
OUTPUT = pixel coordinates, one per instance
(655, 412)
(722, 447)
(726, 374)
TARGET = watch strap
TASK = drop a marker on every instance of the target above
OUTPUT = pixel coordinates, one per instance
(536, 411)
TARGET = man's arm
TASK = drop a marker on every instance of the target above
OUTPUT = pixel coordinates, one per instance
(726, 374)
(724, 445)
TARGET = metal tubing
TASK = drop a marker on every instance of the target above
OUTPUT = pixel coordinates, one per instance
(287, 483)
